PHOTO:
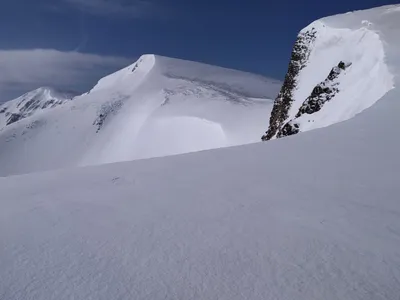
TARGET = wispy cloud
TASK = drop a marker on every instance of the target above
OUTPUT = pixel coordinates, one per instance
(25, 70)
(131, 8)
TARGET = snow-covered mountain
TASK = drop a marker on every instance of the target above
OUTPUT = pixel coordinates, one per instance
(31, 103)
(339, 67)
(315, 216)
(158, 106)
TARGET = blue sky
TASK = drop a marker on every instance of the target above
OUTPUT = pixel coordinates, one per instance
(86, 39)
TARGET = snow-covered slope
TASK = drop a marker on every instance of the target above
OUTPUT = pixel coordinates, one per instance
(31, 103)
(158, 106)
(310, 217)
(339, 67)
(233, 223)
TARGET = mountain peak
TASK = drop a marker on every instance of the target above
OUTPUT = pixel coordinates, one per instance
(162, 68)
(37, 100)
(157, 106)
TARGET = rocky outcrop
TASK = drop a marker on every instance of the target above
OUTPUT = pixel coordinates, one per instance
(323, 92)
(320, 95)
(282, 123)
(14, 118)
(300, 54)
(290, 128)
(105, 111)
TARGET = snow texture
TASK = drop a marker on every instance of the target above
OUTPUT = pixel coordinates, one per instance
(156, 107)
(313, 216)
(233, 223)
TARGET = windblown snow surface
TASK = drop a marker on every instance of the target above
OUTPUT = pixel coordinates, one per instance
(158, 106)
(314, 216)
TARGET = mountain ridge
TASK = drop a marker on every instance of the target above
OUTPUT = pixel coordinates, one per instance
(178, 69)
(40, 99)
(155, 107)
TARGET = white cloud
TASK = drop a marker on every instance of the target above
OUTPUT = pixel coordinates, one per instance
(25, 70)
(131, 8)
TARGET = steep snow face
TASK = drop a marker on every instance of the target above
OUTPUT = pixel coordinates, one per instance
(129, 77)
(25, 106)
(356, 44)
(157, 106)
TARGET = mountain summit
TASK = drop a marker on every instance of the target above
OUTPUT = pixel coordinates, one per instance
(157, 106)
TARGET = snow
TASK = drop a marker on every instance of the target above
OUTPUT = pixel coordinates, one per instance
(355, 38)
(34, 102)
(182, 134)
(130, 76)
(312, 216)
(157, 106)
(316, 216)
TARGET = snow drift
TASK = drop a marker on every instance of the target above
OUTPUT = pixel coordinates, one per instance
(339, 67)
(157, 106)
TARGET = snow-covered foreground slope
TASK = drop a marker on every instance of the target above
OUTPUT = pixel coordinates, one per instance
(158, 106)
(340, 66)
(232, 223)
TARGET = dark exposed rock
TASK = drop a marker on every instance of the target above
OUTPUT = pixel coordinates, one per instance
(342, 65)
(37, 103)
(321, 94)
(135, 67)
(105, 111)
(27, 108)
(3, 110)
(50, 103)
(30, 105)
(300, 54)
(289, 128)
(100, 121)
(14, 118)
(31, 102)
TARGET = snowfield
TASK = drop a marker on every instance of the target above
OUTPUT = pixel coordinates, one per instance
(158, 106)
(297, 218)
(313, 216)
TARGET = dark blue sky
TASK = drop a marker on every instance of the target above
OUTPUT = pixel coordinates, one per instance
(251, 35)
